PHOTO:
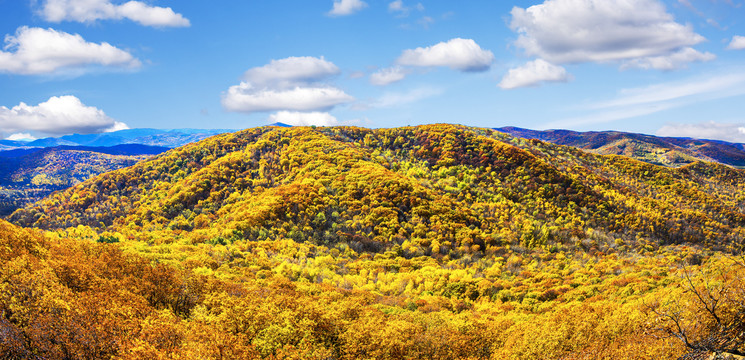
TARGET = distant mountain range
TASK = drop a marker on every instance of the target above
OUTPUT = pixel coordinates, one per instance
(123, 149)
(666, 151)
(153, 137)
(29, 174)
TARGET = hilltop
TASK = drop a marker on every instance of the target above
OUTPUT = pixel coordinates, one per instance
(438, 189)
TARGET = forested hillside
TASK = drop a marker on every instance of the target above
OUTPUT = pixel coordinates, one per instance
(438, 189)
(438, 241)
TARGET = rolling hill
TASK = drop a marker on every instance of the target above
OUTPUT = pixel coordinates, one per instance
(666, 151)
(437, 241)
(443, 189)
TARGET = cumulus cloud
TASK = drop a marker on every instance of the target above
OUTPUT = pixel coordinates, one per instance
(244, 98)
(295, 118)
(291, 72)
(459, 54)
(708, 130)
(294, 83)
(737, 43)
(640, 32)
(92, 10)
(388, 76)
(21, 137)
(46, 51)
(60, 115)
(534, 73)
(346, 7)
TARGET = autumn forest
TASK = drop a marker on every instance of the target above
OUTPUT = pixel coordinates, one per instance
(427, 242)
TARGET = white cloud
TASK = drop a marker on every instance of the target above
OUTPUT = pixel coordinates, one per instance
(244, 98)
(304, 118)
(676, 60)
(534, 73)
(402, 10)
(575, 31)
(397, 6)
(294, 83)
(21, 137)
(708, 130)
(610, 115)
(737, 43)
(635, 102)
(346, 7)
(118, 125)
(47, 51)
(460, 54)
(388, 76)
(92, 10)
(709, 87)
(59, 115)
(291, 72)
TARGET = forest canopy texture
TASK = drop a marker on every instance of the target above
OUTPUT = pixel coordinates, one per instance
(436, 241)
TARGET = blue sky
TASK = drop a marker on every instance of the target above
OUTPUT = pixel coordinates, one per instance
(673, 67)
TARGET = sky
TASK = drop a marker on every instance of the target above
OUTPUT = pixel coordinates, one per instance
(670, 68)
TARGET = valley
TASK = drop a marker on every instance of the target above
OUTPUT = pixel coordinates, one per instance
(28, 175)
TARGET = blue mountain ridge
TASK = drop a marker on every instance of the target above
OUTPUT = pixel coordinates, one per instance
(169, 138)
